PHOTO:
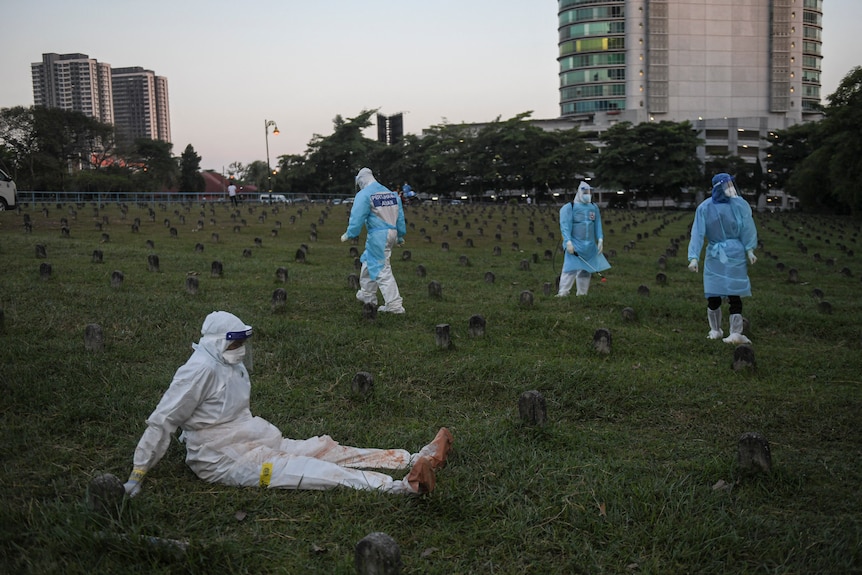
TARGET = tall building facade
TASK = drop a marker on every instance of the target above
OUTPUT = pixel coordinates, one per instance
(737, 69)
(133, 99)
(74, 82)
(141, 104)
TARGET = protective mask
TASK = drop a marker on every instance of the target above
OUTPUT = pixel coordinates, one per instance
(233, 356)
(730, 190)
(586, 198)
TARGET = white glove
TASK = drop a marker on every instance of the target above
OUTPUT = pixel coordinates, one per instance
(692, 265)
(344, 237)
(601, 246)
(400, 241)
(570, 247)
(133, 485)
(751, 257)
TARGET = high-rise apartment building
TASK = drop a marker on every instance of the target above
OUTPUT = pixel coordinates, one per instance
(74, 82)
(133, 99)
(141, 104)
(737, 69)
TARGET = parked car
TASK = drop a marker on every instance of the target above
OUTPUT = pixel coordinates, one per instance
(273, 199)
(8, 192)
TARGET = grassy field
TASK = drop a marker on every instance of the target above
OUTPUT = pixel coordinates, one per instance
(634, 473)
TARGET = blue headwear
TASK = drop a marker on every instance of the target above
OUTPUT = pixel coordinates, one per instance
(719, 185)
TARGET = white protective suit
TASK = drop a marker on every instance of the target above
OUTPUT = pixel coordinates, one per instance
(209, 399)
(381, 212)
(583, 241)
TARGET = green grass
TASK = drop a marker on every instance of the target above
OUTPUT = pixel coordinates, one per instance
(620, 480)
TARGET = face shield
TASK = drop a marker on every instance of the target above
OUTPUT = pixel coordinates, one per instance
(723, 188)
(584, 195)
(238, 348)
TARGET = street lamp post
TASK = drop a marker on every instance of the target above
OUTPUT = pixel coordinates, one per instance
(266, 125)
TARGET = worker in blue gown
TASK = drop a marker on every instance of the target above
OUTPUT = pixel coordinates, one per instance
(381, 212)
(583, 241)
(725, 222)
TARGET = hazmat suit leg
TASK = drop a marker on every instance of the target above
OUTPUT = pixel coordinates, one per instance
(327, 449)
(392, 302)
(736, 336)
(367, 292)
(714, 317)
(567, 280)
(299, 472)
(583, 282)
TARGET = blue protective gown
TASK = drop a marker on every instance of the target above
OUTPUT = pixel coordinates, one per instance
(380, 210)
(582, 225)
(728, 228)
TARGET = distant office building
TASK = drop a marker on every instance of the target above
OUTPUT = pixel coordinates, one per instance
(74, 82)
(133, 99)
(141, 104)
(390, 129)
(736, 70)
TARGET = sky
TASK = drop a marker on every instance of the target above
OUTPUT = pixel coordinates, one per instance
(231, 66)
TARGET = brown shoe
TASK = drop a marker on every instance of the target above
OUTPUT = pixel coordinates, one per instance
(438, 450)
(421, 477)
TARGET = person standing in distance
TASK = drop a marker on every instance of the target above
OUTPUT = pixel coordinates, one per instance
(583, 240)
(231, 191)
(381, 212)
(725, 221)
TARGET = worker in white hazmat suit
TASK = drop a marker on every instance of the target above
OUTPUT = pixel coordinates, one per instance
(209, 399)
(583, 241)
(725, 221)
(381, 212)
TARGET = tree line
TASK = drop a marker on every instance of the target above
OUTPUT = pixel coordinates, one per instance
(819, 162)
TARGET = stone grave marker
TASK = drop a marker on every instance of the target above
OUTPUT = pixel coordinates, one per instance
(94, 339)
(490, 277)
(216, 269)
(369, 311)
(279, 299)
(41, 251)
(753, 453)
(442, 336)
(97, 256)
(246, 253)
(117, 279)
(45, 271)
(105, 495)
(526, 298)
(362, 384)
(643, 290)
(192, 284)
(153, 263)
(602, 341)
(476, 326)
(353, 281)
(421, 271)
(377, 554)
(299, 257)
(435, 290)
(281, 274)
(532, 408)
(406, 255)
(743, 358)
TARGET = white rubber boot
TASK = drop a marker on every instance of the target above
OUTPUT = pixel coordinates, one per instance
(736, 336)
(714, 316)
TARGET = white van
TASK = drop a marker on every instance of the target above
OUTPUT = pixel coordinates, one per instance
(8, 192)
(272, 199)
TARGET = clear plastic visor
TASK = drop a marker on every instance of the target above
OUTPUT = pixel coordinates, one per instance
(729, 188)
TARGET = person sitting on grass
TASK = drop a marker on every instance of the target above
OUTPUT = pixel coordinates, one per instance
(209, 399)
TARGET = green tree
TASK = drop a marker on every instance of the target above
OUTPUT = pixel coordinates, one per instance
(191, 179)
(155, 169)
(832, 173)
(654, 159)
